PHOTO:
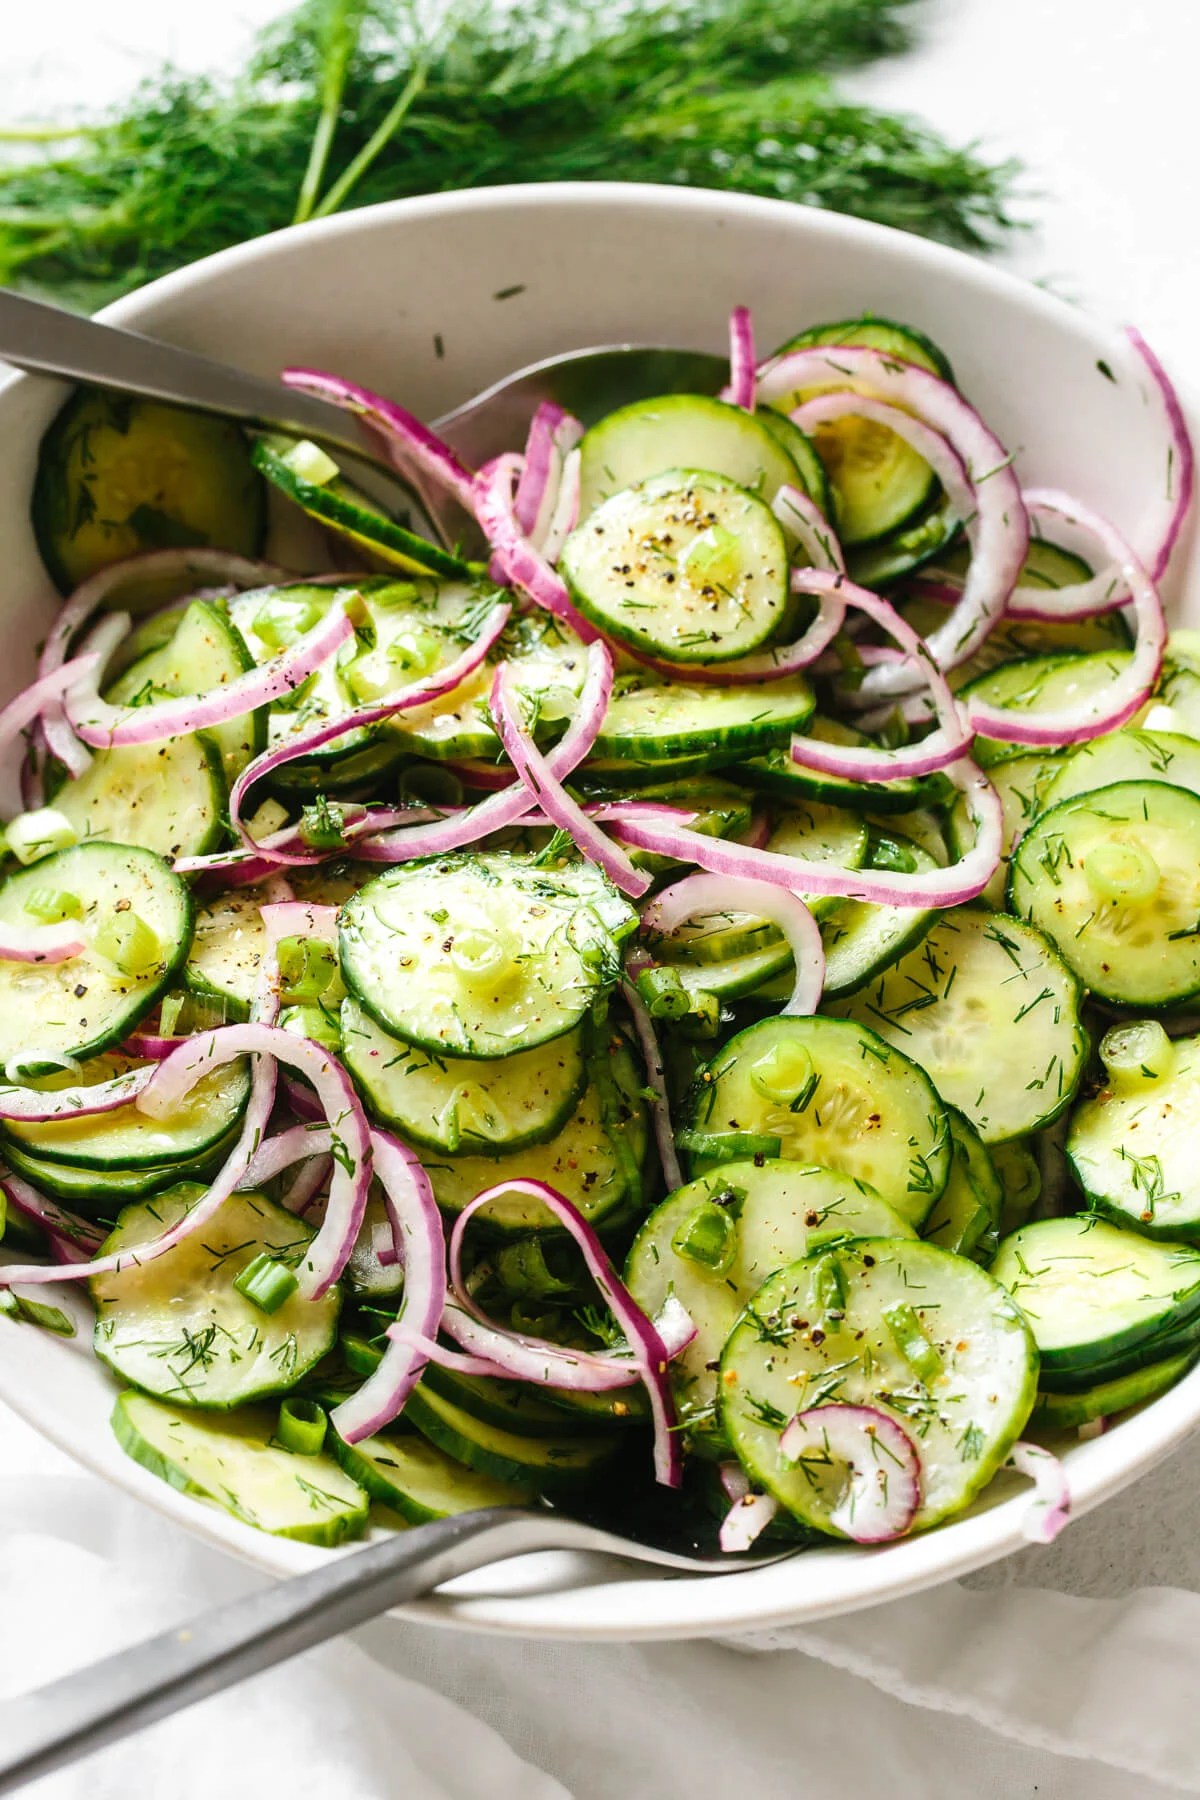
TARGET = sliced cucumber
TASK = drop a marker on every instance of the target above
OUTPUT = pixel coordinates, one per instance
(101, 1193)
(1126, 756)
(824, 1091)
(1018, 640)
(656, 721)
(168, 797)
(803, 452)
(966, 1216)
(205, 651)
(964, 1403)
(1059, 1412)
(778, 773)
(878, 482)
(347, 511)
(237, 1463)
(1041, 684)
(1022, 782)
(975, 979)
(713, 1243)
(134, 909)
(179, 1328)
(478, 955)
(685, 565)
(1179, 683)
(1020, 1176)
(547, 1465)
(861, 939)
(1113, 876)
(595, 1160)
(681, 431)
(889, 559)
(1133, 1145)
(127, 1138)
(1092, 1292)
(117, 475)
(405, 1471)
(1046, 565)
(460, 1106)
(228, 946)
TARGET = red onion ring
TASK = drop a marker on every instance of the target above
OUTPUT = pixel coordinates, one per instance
(742, 360)
(32, 1105)
(75, 1238)
(538, 466)
(534, 770)
(1050, 1508)
(421, 1247)
(32, 702)
(409, 443)
(565, 516)
(519, 562)
(1002, 527)
(1109, 710)
(660, 1106)
(1181, 463)
(704, 893)
(745, 1522)
(41, 944)
(883, 1493)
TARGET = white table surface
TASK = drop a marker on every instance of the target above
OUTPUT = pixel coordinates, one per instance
(1098, 100)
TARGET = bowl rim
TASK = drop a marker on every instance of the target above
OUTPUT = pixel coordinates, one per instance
(651, 1606)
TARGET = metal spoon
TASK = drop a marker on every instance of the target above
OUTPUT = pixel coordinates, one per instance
(83, 1712)
(50, 341)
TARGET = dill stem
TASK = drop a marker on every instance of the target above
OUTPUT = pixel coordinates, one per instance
(48, 134)
(341, 41)
(378, 141)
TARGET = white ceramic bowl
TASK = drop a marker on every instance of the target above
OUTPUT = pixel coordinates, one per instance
(430, 300)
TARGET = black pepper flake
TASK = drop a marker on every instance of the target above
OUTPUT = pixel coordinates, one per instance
(80, 990)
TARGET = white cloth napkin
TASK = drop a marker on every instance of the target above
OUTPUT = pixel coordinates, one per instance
(992, 1688)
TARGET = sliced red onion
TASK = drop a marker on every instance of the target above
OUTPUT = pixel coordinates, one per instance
(519, 562)
(746, 1521)
(99, 723)
(565, 516)
(33, 701)
(1050, 1508)
(535, 772)
(421, 1246)
(735, 1483)
(742, 360)
(250, 867)
(647, 1351)
(697, 895)
(298, 1143)
(660, 1106)
(34, 1105)
(77, 1238)
(1001, 528)
(454, 1360)
(538, 468)
(150, 1045)
(410, 444)
(1181, 466)
(41, 944)
(310, 1180)
(799, 514)
(1114, 705)
(514, 802)
(1092, 1428)
(950, 741)
(101, 642)
(952, 886)
(882, 1494)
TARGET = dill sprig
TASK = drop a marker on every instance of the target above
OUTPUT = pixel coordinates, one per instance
(347, 102)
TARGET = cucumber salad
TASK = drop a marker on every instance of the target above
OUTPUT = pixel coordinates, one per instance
(696, 983)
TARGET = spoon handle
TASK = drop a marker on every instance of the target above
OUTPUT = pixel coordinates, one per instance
(105, 1701)
(50, 341)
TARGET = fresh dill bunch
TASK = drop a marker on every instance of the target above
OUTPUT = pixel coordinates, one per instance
(348, 102)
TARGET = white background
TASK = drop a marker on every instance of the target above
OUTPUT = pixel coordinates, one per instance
(1098, 98)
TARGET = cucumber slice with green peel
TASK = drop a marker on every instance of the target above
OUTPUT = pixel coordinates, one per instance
(136, 918)
(803, 452)
(860, 939)
(127, 1138)
(777, 773)
(918, 541)
(548, 1465)
(1041, 684)
(117, 475)
(168, 797)
(714, 1242)
(365, 1276)
(1023, 783)
(458, 1106)
(824, 1091)
(739, 976)
(878, 482)
(403, 1470)
(1113, 877)
(1126, 756)
(101, 1193)
(926, 1337)
(1179, 682)
(1132, 1146)
(1020, 1176)
(1059, 1412)
(1046, 565)
(477, 955)
(310, 477)
(236, 1462)
(681, 431)
(625, 774)
(983, 978)
(686, 566)
(595, 1160)
(228, 945)
(966, 1215)
(1092, 1292)
(657, 721)
(205, 651)
(179, 1327)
